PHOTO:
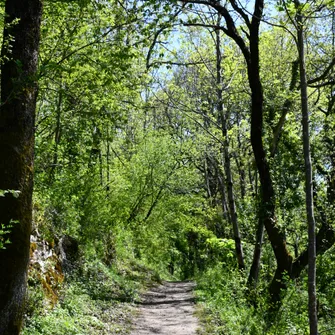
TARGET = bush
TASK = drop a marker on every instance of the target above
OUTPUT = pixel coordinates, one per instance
(228, 309)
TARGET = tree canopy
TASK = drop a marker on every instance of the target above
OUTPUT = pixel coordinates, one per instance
(192, 138)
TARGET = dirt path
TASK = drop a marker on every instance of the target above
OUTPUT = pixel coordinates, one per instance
(167, 310)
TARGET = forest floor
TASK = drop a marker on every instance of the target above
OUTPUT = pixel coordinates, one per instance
(167, 309)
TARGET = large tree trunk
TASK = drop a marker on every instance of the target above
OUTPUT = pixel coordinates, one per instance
(17, 114)
(284, 260)
(254, 270)
(312, 303)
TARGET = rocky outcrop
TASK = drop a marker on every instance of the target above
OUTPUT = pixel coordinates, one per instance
(45, 269)
(68, 251)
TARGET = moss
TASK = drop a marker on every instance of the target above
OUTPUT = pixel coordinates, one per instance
(45, 272)
(33, 247)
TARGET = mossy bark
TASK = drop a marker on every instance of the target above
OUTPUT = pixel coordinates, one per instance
(17, 114)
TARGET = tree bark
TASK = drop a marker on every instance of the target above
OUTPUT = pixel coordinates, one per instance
(224, 205)
(108, 162)
(276, 237)
(57, 137)
(227, 163)
(17, 117)
(256, 260)
(312, 302)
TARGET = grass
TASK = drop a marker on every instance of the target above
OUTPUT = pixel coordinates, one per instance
(95, 299)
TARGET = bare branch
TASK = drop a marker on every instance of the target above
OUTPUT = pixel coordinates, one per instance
(230, 29)
(242, 12)
(323, 75)
(156, 35)
(177, 63)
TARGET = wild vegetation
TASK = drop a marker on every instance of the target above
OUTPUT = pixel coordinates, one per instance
(173, 140)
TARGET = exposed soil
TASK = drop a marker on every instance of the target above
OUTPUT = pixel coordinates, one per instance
(168, 310)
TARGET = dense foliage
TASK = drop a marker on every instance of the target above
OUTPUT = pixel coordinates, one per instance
(145, 161)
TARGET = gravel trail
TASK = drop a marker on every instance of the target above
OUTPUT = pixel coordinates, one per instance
(167, 310)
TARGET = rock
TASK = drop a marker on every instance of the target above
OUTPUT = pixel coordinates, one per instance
(68, 250)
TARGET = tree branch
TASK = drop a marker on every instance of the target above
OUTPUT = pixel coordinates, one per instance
(323, 75)
(156, 35)
(286, 107)
(325, 239)
(230, 30)
(243, 14)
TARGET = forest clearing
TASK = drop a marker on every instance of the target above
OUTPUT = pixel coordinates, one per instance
(176, 151)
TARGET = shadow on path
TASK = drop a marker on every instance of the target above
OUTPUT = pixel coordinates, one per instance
(168, 310)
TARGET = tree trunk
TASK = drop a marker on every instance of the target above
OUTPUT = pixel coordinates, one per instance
(108, 162)
(254, 270)
(240, 164)
(312, 302)
(207, 180)
(250, 50)
(256, 260)
(57, 136)
(229, 179)
(224, 206)
(276, 237)
(18, 102)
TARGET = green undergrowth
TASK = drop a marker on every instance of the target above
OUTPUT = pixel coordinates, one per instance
(94, 299)
(224, 306)
(227, 309)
